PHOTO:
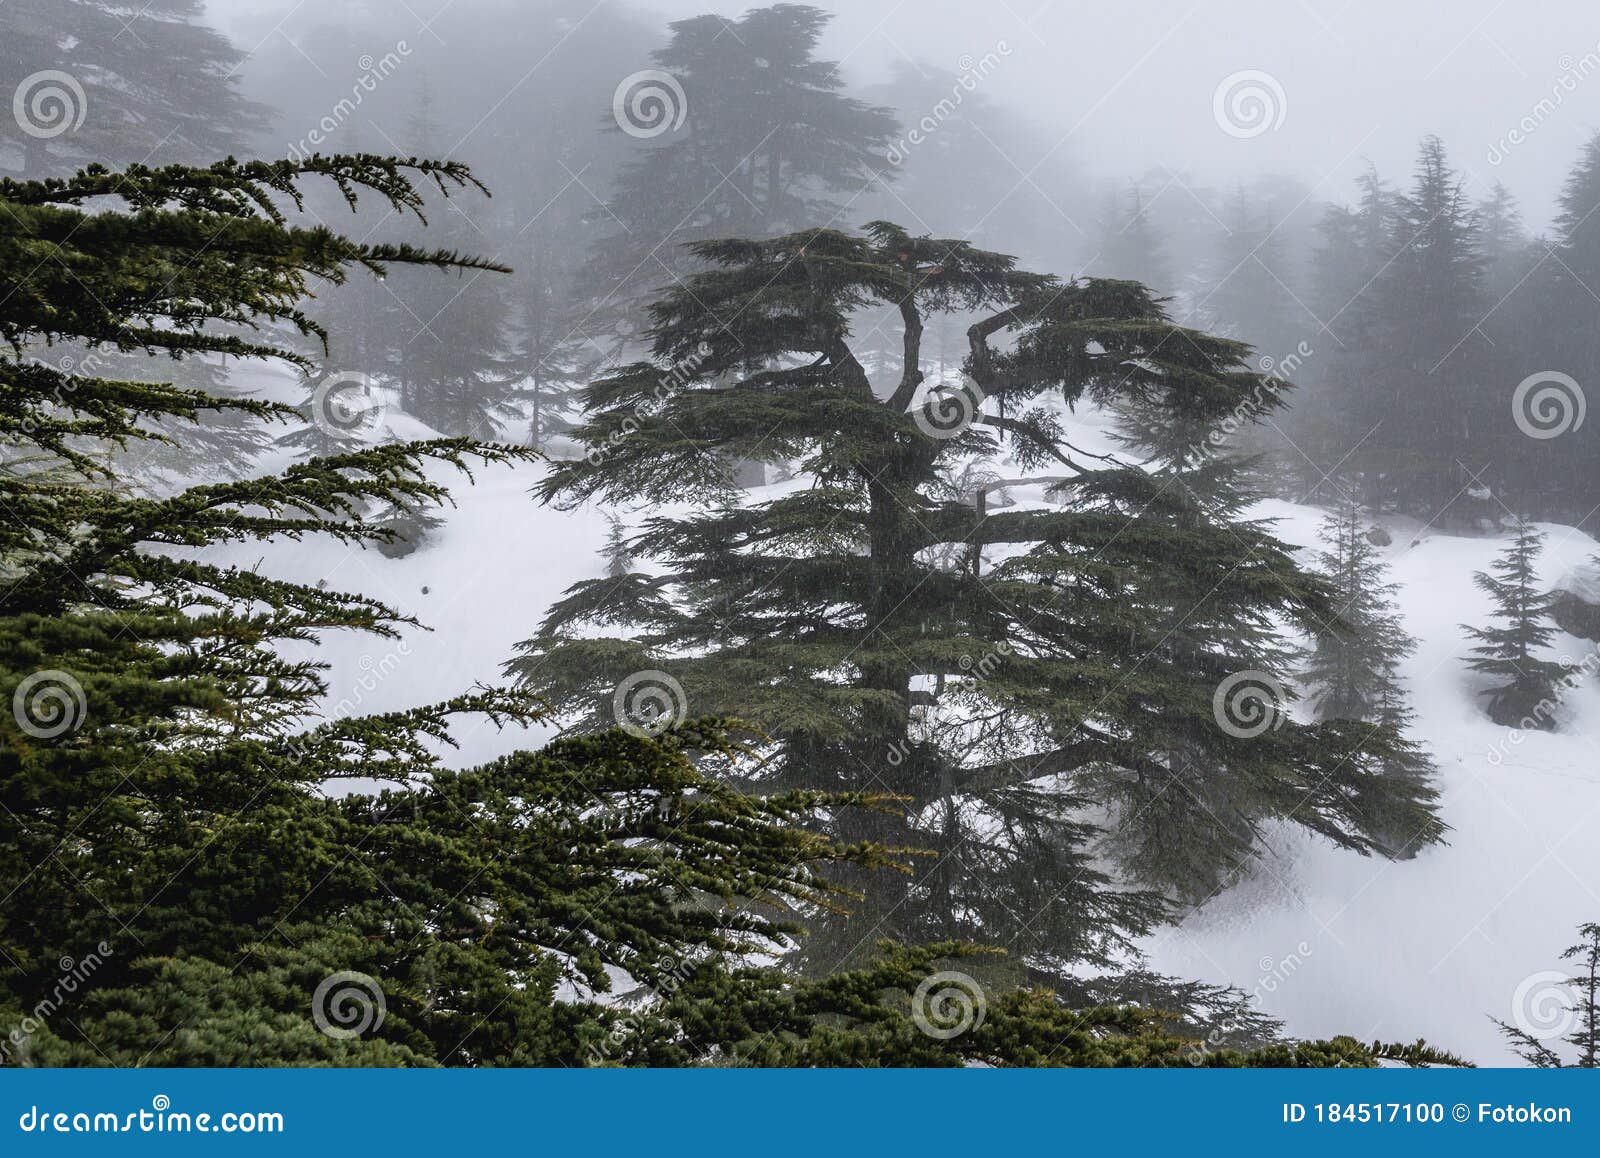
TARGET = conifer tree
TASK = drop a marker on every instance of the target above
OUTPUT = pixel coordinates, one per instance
(1006, 694)
(147, 84)
(619, 558)
(1504, 243)
(1577, 234)
(448, 339)
(1585, 1036)
(1556, 330)
(1354, 669)
(165, 800)
(758, 140)
(1528, 332)
(1354, 245)
(548, 353)
(1527, 692)
(1425, 410)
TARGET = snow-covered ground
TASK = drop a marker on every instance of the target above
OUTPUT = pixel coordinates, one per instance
(1329, 941)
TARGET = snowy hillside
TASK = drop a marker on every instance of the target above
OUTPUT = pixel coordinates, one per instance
(1327, 940)
(1437, 945)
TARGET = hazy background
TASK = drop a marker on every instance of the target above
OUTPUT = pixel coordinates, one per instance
(1123, 88)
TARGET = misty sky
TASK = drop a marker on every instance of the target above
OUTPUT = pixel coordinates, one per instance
(1131, 86)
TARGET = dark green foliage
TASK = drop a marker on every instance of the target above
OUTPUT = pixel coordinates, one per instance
(1538, 1050)
(1006, 670)
(165, 803)
(1528, 690)
(467, 897)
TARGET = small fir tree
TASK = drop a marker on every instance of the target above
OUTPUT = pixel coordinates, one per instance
(1354, 669)
(618, 555)
(1528, 688)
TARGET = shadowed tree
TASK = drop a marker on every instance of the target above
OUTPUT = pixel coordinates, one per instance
(1012, 672)
(767, 143)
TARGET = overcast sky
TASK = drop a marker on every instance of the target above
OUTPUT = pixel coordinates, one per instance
(1127, 87)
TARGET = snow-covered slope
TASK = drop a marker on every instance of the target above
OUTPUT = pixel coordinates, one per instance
(1440, 944)
(1327, 940)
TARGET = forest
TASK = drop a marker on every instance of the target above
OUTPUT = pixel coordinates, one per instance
(568, 535)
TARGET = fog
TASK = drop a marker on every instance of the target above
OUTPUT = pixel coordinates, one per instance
(1126, 88)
